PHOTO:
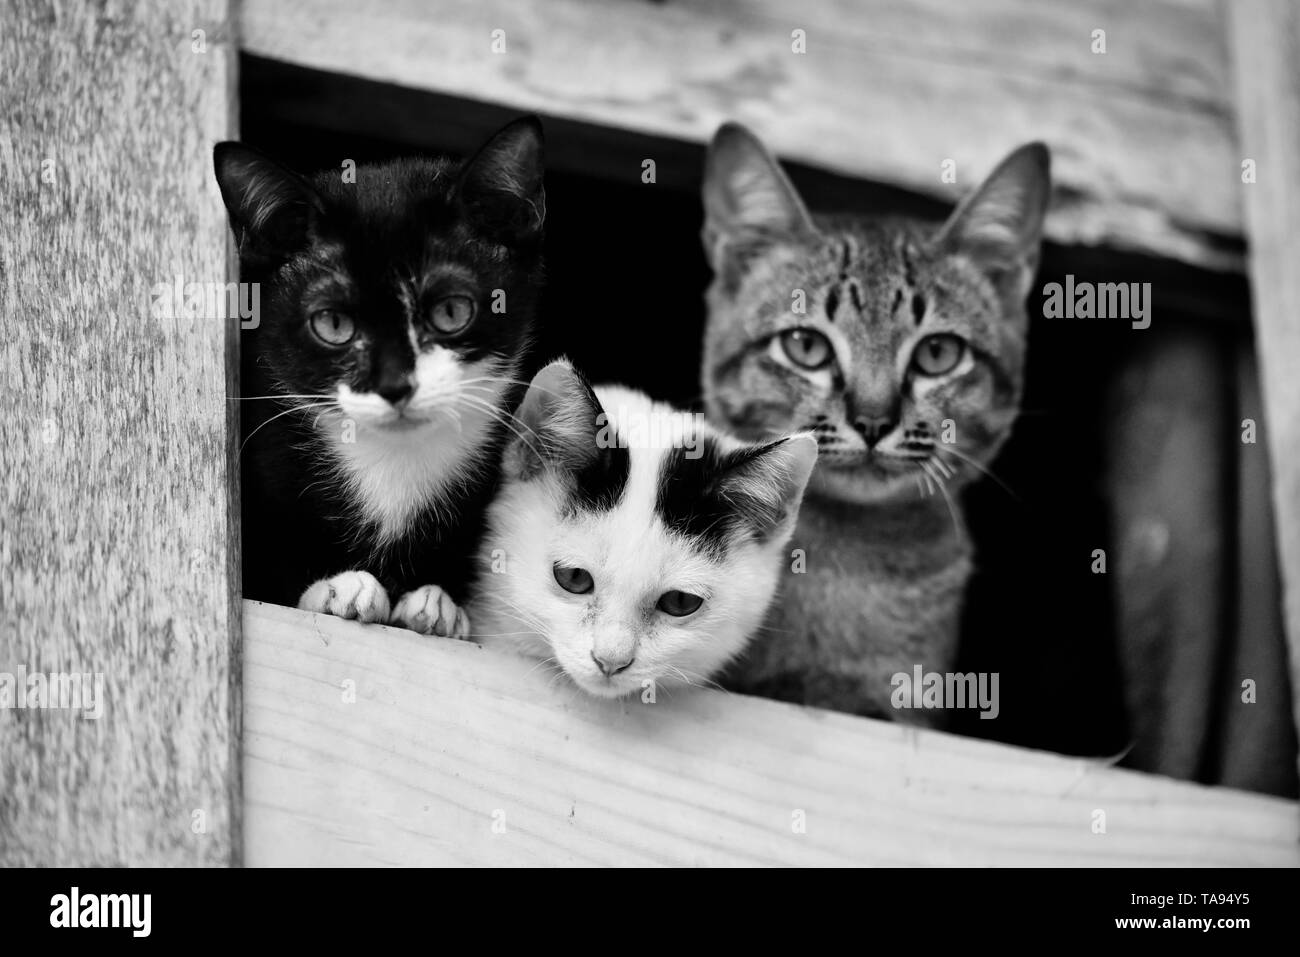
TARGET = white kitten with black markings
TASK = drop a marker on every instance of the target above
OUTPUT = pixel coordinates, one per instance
(630, 543)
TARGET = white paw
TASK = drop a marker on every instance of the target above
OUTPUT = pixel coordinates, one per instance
(430, 611)
(354, 594)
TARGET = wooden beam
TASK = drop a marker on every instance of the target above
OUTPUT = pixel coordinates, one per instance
(1167, 430)
(1264, 46)
(1256, 740)
(1141, 134)
(116, 524)
(314, 120)
(366, 745)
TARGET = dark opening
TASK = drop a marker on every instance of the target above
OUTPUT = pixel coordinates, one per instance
(624, 300)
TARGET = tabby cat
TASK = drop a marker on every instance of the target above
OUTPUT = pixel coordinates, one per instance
(901, 346)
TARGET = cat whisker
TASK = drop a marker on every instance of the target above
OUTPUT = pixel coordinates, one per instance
(508, 380)
(560, 679)
(976, 465)
(671, 672)
(695, 679)
(504, 418)
(470, 387)
(453, 413)
(952, 509)
(552, 661)
(315, 423)
(285, 395)
(924, 479)
(296, 408)
(524, 615)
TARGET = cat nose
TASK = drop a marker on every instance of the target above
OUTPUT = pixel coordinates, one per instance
(611, 663)
(873, 429)
(396, 390)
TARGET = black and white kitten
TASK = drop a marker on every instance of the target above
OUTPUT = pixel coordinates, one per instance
(396, 318)
(632, 544)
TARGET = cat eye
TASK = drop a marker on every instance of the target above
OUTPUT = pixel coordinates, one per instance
(575, 580)
(332, 328)
(679, 604)
(806, 348)
(936, 355)
(451, 314)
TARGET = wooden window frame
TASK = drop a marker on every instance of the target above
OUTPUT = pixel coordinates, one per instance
(240, 733)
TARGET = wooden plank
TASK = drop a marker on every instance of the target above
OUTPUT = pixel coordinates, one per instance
(1142, 139)
(443, 739)
(1264, 44)
(1256, 740)
(314, 120)
(116, 523)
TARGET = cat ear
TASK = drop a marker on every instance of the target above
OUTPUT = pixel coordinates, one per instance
(500, 187)
(748, 200)
(766, 483)
(560, 420)
(1000, 225)
(271, 208)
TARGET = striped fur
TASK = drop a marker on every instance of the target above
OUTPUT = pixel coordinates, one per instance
(887, 551)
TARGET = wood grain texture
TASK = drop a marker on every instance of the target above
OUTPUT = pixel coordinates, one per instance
(1264, 43)
(445, 738)
(1256, 740)
(115, 527)
(1142, 136)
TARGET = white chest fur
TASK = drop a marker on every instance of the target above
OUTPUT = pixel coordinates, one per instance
(392, 475)
(395, 466)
